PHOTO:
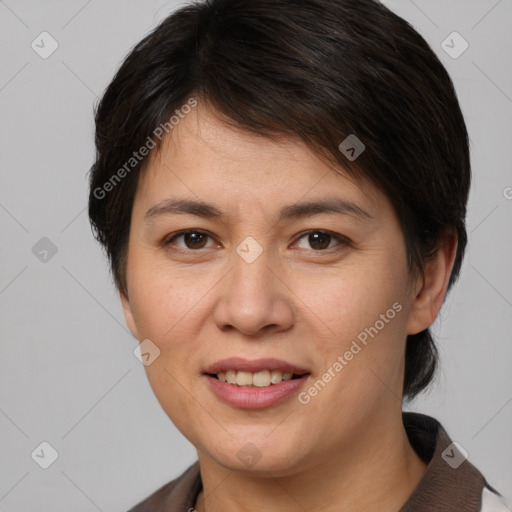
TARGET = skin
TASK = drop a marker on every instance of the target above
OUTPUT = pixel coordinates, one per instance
(344, 450)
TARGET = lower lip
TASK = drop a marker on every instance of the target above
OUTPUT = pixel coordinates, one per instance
(255, 398)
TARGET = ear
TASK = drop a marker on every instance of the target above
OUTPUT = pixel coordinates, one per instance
(128, 315)
(431, 290)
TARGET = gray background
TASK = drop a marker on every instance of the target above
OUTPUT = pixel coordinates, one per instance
(69, 376)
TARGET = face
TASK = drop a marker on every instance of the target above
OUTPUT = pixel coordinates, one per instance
(289, 269)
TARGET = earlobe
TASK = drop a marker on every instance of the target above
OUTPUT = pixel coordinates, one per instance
(432, 291)
(128, 315)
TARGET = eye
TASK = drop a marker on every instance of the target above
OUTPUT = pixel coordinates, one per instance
(321, 240)
(193, 239)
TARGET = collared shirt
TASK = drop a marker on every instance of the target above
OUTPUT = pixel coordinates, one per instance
(450, 483)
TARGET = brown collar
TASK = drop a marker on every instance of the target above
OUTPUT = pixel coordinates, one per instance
(447, 485)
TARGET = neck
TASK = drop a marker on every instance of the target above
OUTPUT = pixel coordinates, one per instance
(377, 471)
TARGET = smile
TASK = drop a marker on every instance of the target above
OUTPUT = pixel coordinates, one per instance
(260, 379)
(255, 384)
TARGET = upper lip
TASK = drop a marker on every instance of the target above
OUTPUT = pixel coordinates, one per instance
(255, 365)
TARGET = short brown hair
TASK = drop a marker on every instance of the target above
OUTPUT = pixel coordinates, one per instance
(319, 70)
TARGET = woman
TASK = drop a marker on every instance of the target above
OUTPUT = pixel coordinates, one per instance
(281, 189)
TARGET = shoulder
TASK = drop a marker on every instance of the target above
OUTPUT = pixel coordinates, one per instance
(450, 480)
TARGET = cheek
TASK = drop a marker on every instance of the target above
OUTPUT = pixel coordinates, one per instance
(168, 307)
(163, 299)
(164, 306)
(363, 312)
(178, 398)
(347, 300)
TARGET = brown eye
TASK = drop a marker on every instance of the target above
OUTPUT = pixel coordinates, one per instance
(192, 240)
(321, 240)
(195, 240)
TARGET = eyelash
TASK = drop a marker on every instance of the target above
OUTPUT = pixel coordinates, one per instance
(167, 242)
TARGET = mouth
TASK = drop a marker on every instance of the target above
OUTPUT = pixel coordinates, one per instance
(260, 379)
(256, 373)
(255, 384)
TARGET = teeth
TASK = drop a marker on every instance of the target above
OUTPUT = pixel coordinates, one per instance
(276, 376)
(244, 378)
(231, 376)
(260, 379)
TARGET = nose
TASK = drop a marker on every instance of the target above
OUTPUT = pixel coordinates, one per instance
(253, 298)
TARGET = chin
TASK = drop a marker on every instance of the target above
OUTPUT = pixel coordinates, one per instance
(259, 457)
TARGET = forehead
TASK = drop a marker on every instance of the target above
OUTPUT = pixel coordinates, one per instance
(203, 157)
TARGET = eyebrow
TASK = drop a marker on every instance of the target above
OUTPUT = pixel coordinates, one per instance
(297, 210)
